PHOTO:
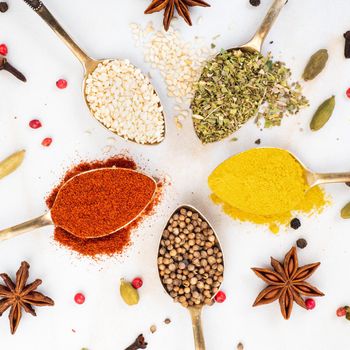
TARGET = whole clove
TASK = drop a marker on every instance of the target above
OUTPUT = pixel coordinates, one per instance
(5, 65)
(3, 6)
(347, 44)
(139, 343)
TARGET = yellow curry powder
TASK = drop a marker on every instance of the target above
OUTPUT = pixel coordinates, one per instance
(264, 186)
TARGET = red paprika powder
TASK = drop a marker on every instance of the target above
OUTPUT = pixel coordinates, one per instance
(109, 245)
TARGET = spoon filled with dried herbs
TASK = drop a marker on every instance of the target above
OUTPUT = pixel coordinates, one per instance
(191, 264)
(95, 204)
(117, 94)
(240, 84)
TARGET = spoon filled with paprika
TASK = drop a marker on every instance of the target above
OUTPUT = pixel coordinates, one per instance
(191, 264)
(118, 95)
(95, 204)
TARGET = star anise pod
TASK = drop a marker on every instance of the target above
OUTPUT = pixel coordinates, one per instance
(19, 295)
(286, 282)
(169, 6)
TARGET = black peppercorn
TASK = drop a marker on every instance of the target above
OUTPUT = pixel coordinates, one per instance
(255, 2)
(3, 6)
(295, 223)
(301, 243)
(347, 44)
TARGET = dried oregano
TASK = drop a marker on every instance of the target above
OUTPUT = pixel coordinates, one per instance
(236, 86)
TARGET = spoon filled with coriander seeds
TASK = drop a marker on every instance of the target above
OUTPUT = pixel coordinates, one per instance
(117, 94)
(191, 264)
(240, 84)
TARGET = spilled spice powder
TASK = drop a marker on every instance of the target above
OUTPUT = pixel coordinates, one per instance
(109, 245)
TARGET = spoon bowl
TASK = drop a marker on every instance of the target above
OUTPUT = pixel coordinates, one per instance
(88, 63)
(50, 217)
(195, 310)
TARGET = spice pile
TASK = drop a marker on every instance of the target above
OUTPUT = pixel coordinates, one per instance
(99, 202)
(190, 260)
(236, 86)
(109, 245)
(264, 186)
(179, 62)
(124, 100)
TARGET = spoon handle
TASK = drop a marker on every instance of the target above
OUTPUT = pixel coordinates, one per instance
(329, 178)
(267, 24)
(45, 14)
(196, 313)
(41, 221)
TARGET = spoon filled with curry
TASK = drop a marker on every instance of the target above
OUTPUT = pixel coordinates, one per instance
(95, 204)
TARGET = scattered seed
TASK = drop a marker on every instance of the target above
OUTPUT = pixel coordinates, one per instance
(3, 6)
(301, 243)
(258, 142)
(153, 329)
(323, 114)
(11, 163)
(3, 49)
(61, 83)
(129, 294)
(348, 92)
(255, 2)
(347, 44)
(240, 346)
(345, 212)
(46, 142)
(295, 223)
(167, 321)
(79, 298)
(315, 65)
(35, 124)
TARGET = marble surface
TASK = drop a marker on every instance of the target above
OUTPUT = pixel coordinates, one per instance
(104, 322)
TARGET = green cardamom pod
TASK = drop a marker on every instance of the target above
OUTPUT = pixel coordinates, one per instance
(315, 65)
(345, 212)
(323, 113)
(11, 163)
(129, 294)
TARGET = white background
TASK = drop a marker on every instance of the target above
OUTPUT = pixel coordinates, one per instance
(104, 322)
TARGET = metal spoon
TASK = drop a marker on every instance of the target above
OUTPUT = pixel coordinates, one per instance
(195, 311)
(256, 43)
(47, 219)
(88, 63)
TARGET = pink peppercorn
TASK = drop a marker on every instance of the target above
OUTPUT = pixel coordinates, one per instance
(220, 297)
(35, 124)
(46, 142)
(79, 298)
(348, 92)
(341, 312)
(61, 83)
(310, 304)
(137, 283)
(3, 49)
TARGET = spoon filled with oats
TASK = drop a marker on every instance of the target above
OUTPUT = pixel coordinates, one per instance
(117, 93)
(191, 264)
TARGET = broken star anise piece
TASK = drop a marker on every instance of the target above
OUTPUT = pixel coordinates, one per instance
(169, 6)
(18, 296)
(286, 282)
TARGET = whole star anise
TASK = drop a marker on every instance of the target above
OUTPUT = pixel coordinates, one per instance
(19, 295)
(169, 6)
(286, 282)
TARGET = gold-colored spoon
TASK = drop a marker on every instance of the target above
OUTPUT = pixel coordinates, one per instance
(256, 43)
(195, 311)
(88, 63)
(52, 218)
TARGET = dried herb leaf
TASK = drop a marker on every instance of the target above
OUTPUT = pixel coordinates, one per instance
(316, 64)
(236, 86)
(11, 163)
(323, 113)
